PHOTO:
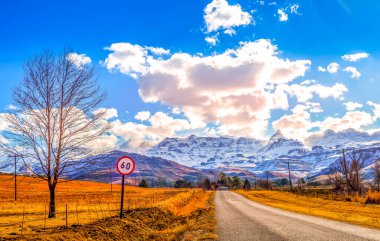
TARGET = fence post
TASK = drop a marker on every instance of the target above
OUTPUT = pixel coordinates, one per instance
(23, 219)
(109, 210)
(97, 214)
(77, 214)
(45, 220)
(66, 217)
(89, 212)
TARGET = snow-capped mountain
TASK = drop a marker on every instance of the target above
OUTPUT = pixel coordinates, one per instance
(278, 146)
(258, 156)
(207, 151)
(195, 157)
(343, 139)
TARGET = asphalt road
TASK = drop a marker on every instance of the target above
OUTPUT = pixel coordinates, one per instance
(241, 219)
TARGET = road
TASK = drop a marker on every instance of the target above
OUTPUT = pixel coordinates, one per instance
(240, 219)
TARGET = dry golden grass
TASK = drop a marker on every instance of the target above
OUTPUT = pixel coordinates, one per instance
(350, 212)
(183, 213)
(372, 197)
(87, 202)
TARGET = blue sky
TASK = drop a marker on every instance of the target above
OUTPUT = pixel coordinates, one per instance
(318, 31)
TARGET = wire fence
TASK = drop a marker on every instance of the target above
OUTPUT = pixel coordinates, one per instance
(77, 203)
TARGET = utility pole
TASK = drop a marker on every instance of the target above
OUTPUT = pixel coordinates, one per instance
(290, 179)
(15, 175)
(267, 180)
(255, 182)
(111, 175)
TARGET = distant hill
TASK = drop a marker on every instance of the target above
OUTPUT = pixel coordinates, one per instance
(101, 167)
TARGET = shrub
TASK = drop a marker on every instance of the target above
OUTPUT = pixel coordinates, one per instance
(372, 197)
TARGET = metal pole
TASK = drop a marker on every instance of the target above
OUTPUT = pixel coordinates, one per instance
(122, 197)
(290, 179)
(15, 180)
(15, 175)
(111, 176)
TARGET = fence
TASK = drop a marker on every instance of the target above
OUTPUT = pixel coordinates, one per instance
(77, 203)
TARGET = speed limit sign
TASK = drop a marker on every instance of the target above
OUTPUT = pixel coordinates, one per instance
(125, 165)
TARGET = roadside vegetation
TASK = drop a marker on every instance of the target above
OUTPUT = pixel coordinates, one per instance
(150, 213)
(350, 212)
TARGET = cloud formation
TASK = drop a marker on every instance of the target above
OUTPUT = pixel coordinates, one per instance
(355, 57)
(236, 89)
(355, 74)
(79, 60)
(159, 126)
(332, 68)
(350, 106)
(219, 15)
(283, 13)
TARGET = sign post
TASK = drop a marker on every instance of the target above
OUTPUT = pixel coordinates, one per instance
(125, 166)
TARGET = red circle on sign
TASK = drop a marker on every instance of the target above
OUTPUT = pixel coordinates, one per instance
(129, 159)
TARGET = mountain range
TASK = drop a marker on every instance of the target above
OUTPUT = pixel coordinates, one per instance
(313, 158)
(193, 158)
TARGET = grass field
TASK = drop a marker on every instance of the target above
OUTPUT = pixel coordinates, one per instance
(350, 212)
(90, 204)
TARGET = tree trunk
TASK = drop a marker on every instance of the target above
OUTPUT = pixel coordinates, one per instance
(52, 201)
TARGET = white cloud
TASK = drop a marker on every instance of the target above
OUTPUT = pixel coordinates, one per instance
(308, 82)
(355, 57)
(176, 110)
(304, 93)
(212, 40)
(314, 107)
(160, 126)
(352, 119)
(142, 115)
(282, 16)
(228, 89)
(127, 58)
(283, 13)
(332, 68)
(158, 51)
(79, 60)
(109, 113)
(296, 125)
(131, 58)
(350, 106)
(3, 123)
(11, 107)
(355, 74)
(376, 110)
(294, 8)
(220, 15)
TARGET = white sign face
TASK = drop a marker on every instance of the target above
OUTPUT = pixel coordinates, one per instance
(125, 165)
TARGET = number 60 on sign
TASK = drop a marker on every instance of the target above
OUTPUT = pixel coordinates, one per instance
(125, 165)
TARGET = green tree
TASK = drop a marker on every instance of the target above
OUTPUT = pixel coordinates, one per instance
(222, 179)
(206, 184)
(247, 184)
(236, 182)
(144, 183)
(281, 182)
(182, 184)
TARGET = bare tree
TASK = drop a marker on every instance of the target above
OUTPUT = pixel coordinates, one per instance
(56, 122)
(376, 174)
(347, 171)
